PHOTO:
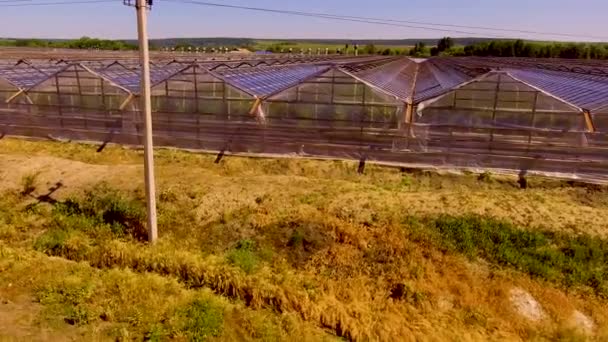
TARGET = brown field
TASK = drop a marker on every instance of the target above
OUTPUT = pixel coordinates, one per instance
(289, 249)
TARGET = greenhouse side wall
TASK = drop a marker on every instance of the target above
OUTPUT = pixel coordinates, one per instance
(333, 115)
(498, 115)
(73, 104)
(600, 120)
(7, 90)
(200, 111)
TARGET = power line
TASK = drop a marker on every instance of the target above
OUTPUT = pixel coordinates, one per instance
(56, 3)
(325, 16)
(389, 22)
(477, 27)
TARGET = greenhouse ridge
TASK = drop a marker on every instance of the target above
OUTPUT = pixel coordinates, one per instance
(508, 114)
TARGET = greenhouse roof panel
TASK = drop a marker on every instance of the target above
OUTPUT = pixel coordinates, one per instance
(395, 78)
(583, 91)
(23, 76)
(265, 81)
(434, 79)
(131, 79)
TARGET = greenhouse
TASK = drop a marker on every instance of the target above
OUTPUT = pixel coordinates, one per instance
(74, 102)
(600, 119)
(548, 116)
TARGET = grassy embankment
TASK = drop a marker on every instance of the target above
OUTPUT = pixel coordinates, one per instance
(255, 249)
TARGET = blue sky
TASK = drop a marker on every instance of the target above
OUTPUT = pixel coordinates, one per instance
(168, 19)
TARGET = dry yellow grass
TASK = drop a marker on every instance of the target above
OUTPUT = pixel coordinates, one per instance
(331, 244)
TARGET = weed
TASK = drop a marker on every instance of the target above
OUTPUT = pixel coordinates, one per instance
(296, 239)
(102, 209)
(485, 177)
(125, 216)
(79, 315)
(28, 184)
(202, 319)
(52, 242)
(406, 181)
(156, 333)
(168, 195)
(473, 316)
(69, 297)
(578, 260)
(406, 293)
(243, 256)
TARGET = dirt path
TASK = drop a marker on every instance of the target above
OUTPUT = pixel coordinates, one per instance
(19, 322)
(64, 174)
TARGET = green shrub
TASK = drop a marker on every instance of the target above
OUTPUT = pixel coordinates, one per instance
(79, 315)
(52, 242)
(70, 299)
(243, 256)
(572, 260)
(124, 215)
(201, 320)
(102, 209)
(155, 334)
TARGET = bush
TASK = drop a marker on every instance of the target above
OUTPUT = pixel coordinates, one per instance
(202, 319)
(52, 242)
(70, 298)
(102, 209)
(578, 260)
(125, 216)
(243, 256)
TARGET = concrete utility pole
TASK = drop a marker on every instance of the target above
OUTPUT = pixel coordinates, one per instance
(146, 108)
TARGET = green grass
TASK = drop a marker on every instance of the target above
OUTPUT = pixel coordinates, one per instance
(243, 255)
(201, 320)
(102, 209)
(570, 260)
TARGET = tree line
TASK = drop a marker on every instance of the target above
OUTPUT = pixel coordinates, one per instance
(81, 43)
(445, 47)
(521, 48)
(500, 48)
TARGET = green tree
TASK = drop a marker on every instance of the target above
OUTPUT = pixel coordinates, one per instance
(444, 44)
(419, 50)
(370, 49)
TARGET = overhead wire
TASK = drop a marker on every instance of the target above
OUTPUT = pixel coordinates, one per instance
(472, 27)
(323, 16)
(390, 22)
